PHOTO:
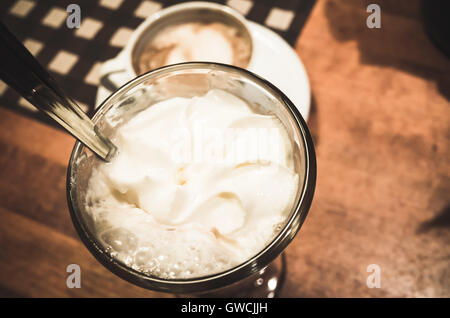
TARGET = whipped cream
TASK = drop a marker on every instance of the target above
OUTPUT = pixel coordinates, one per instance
(199, 185)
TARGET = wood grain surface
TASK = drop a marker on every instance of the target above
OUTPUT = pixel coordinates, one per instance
(381, 124)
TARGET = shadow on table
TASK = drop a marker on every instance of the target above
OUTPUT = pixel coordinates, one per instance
(441, 220)
(440, 203)
(401, 42)
(313, 122)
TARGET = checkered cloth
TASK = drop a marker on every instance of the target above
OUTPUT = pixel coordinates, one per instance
(74, 56)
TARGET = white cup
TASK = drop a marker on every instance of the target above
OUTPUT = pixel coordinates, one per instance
(184, 12)
(271, 57)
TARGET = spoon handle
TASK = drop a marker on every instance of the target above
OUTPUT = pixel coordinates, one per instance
(21, 71)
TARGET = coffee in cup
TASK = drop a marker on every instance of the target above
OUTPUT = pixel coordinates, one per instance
(196, 41)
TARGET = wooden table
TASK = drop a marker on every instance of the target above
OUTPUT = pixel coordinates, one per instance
(381, 123)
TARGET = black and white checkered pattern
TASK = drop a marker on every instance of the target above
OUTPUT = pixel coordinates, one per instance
(74, 56)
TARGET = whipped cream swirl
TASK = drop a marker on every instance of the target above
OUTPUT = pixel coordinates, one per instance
(199, 185)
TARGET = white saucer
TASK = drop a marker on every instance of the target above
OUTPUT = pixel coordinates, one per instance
(276, 61)
(280, 65)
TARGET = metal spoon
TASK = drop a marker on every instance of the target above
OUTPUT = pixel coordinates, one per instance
(21, 71)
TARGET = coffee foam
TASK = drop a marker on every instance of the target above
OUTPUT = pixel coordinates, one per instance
(187, 42)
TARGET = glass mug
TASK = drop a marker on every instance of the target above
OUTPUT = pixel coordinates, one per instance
(258, 276)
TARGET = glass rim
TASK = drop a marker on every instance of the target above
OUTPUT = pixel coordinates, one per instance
(213, 281)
